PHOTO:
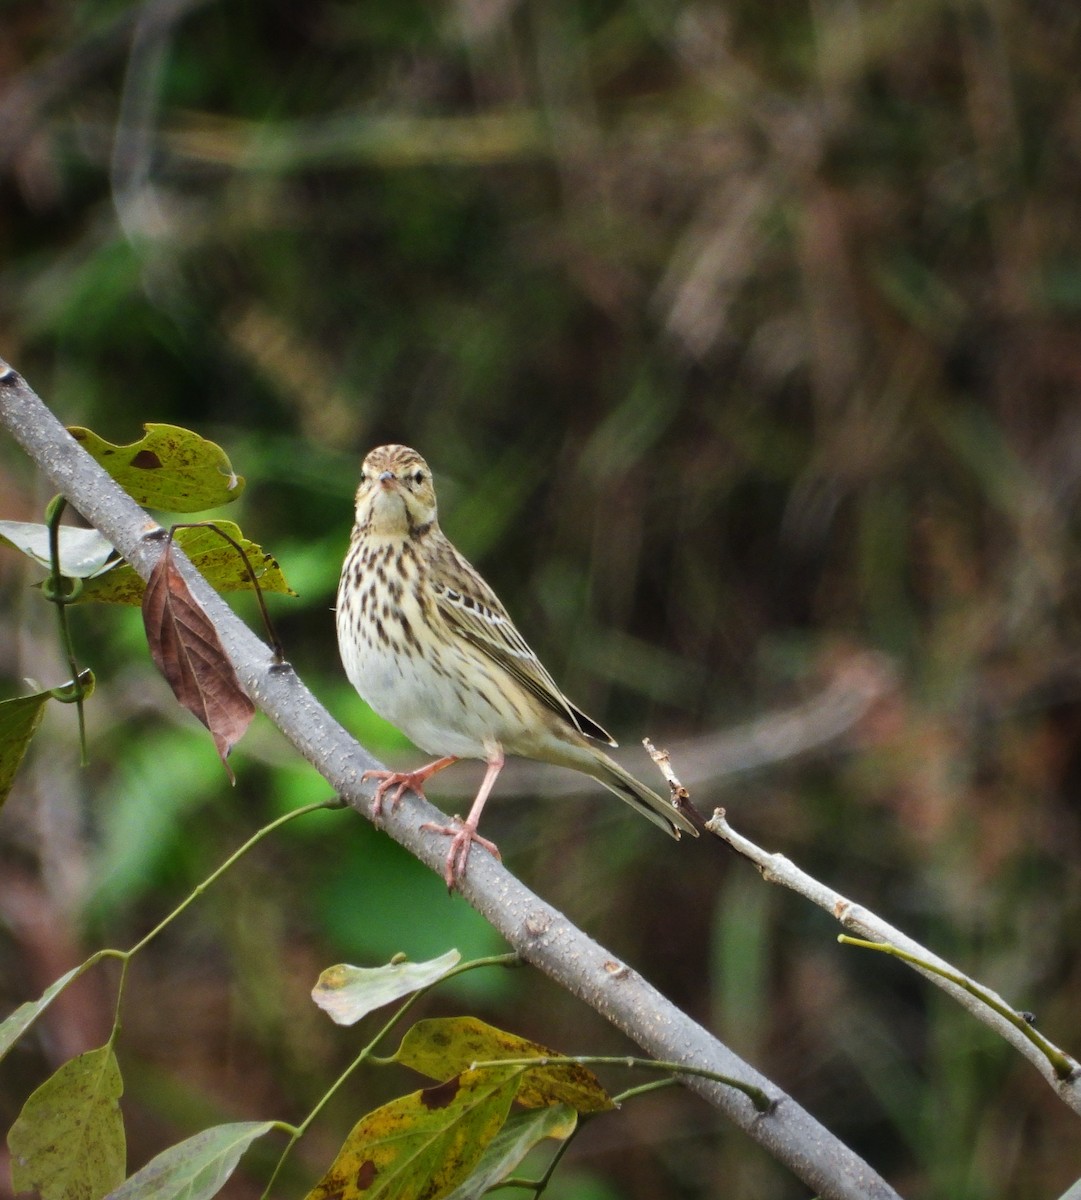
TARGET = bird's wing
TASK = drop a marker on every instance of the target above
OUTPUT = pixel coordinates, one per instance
(474, 611)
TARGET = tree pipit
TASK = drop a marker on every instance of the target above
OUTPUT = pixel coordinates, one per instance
(426, 642)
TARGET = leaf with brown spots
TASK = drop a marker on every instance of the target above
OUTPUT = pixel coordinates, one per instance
(68, 1141)
(169, 468)
(187, 651)
(216, 560)
(443, 1046)
(441, 1095)
(422, 1146)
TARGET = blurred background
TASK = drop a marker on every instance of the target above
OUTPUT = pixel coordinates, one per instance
(745, 343)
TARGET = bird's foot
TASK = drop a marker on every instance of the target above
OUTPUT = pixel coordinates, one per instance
(462, 836)
(396, 781)
(400, 782)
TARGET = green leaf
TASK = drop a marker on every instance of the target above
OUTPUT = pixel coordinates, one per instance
(348, 993)
(215, 558)
(422, 1145)
(19, 721)
(14, 1026)
(512, 1143)
(170, 468)
(83, 552)
(195, 1169)
(443, 1046)
(68, 1141)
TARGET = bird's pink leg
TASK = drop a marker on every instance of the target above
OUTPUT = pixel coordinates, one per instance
(402, 780)
(464, 834)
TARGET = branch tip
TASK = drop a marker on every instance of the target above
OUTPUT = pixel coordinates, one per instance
(663, 762)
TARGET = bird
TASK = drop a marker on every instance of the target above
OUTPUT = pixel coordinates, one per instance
(429, 646)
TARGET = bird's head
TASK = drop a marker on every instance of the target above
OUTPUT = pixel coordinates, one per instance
(396, 496)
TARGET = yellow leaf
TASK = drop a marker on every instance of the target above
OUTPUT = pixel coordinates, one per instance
(443, 1046)
(422, 1145)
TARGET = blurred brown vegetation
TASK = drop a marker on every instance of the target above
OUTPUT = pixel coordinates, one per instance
(745, 341)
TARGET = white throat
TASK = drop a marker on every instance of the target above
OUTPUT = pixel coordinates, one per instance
(389, 517)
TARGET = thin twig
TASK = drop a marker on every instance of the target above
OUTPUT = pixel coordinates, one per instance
(1060, 1070)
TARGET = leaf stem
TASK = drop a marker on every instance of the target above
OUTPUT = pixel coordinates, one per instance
(125, 956)
(655, 1085)
(364, 1056)
(757, 1097)
(57, 591)
(1063, 1066)
(541, 1186)
(215, 875)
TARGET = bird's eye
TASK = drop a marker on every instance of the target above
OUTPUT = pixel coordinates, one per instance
(418, 476)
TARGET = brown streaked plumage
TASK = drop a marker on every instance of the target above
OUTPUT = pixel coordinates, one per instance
(427, 643)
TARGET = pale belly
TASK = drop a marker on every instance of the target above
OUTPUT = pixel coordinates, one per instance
(437, 699)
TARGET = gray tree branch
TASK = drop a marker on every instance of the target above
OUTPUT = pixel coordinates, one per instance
(537, 931)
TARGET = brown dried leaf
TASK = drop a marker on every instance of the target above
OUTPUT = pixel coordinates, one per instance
(186, 648)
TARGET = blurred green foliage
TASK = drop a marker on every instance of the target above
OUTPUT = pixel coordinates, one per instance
(744, 342)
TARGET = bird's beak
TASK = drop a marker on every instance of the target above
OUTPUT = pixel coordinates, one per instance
(387, 480)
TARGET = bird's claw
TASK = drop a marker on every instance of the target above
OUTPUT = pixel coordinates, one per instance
(462, 836)
(398, 781)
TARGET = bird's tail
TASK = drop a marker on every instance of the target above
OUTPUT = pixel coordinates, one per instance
(661, 812)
